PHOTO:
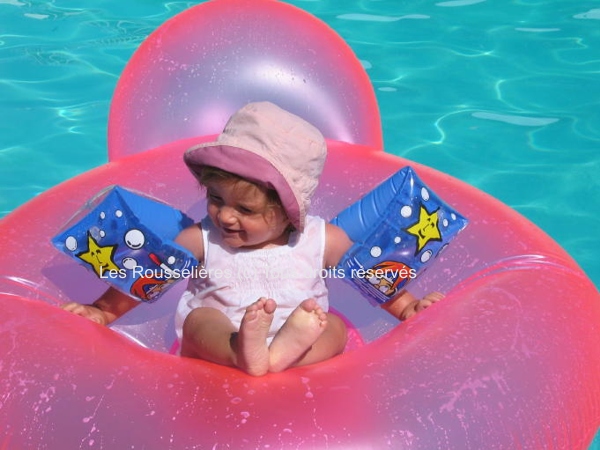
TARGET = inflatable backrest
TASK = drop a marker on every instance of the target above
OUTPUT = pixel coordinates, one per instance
(192, 73)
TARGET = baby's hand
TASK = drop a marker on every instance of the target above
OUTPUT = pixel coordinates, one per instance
(419, 305)
(88, 311)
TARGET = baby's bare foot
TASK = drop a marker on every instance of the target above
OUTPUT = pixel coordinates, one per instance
(252, 350)
(297, 335)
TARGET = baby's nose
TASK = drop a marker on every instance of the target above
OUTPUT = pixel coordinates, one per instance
(227, 215)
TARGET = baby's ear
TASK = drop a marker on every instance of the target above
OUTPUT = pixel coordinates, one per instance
(290, 228)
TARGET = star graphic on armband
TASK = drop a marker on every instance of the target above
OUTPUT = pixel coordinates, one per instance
(100, 258)
(426, 229)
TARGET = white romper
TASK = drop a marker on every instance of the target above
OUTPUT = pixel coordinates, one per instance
(237, 278)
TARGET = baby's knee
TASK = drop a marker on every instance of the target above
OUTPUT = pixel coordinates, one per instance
(336, 327)
(198, 317)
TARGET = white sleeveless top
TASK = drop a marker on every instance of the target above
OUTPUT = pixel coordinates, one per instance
(237, 278)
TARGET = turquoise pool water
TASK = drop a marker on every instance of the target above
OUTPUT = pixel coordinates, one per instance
(503, 95)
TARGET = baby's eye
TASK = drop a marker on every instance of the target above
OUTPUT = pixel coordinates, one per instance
(213, 198)
(245, 210)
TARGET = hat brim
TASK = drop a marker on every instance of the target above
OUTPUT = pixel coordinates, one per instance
(247, 165)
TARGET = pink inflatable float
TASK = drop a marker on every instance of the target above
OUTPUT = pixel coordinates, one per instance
(510, 359)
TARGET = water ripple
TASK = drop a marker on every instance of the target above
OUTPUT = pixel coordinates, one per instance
(516, 120)
(591, 14)
(453, 3)
(538, 30)
(379, 18)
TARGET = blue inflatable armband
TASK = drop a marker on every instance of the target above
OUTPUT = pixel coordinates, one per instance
(398, 228)
(126, 239)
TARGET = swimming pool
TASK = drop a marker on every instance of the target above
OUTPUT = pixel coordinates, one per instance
(503, 98)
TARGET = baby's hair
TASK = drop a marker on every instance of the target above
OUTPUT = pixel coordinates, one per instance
(210, 173)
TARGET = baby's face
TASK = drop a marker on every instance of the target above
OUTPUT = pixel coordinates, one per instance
(241, 212)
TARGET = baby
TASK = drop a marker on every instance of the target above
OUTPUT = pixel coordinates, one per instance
(263, 306)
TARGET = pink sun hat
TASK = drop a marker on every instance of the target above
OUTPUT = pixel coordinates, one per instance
(272, 147)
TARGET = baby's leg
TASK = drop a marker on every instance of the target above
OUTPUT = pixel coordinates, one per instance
(208, 335)
(308, 336)
(251, 349)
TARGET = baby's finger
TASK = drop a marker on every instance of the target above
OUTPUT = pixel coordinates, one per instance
(71, 306)
(77, 308)
(422, 304)
(434, 297)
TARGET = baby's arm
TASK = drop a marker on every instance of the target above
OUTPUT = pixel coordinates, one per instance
(110, 306)
(191, 239)
(113, 303)
(337, 243)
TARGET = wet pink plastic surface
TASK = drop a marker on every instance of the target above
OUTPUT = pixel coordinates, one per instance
(509, 359)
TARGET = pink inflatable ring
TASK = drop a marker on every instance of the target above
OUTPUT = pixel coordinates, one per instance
(509, 359)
